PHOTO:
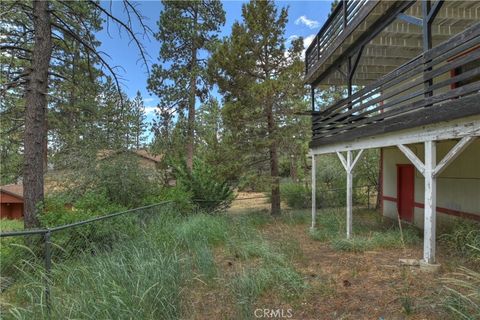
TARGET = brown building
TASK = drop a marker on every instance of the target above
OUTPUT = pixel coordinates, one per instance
(11, 199)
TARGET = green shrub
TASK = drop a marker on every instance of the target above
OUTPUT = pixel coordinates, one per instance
(210, 192)
(124, 181)
(297, 196)
(181, 198)
(92, 236)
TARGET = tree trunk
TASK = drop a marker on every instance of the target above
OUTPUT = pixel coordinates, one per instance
(35, 114)
(191, 121)
(275, 209)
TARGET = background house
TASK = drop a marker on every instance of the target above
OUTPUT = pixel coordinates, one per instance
(11, 201)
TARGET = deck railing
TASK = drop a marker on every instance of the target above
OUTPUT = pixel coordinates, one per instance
(340, 18)
(447, 72)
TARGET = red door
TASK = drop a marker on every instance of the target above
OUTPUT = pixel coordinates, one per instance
(405, 191)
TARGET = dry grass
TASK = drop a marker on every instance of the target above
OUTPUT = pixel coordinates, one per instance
(340, 285)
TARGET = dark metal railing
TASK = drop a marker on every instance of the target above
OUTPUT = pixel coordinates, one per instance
(340, 18)
(434, 77)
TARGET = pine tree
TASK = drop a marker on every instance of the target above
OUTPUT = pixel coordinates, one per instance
(187, 30)
(39, 32)
(138, 124)
(261, 84)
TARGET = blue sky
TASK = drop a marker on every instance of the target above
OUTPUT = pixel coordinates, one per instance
(305, 19)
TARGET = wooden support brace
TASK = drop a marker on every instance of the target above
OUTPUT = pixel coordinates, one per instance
(453, 154)
(342, 160)
(412, 157)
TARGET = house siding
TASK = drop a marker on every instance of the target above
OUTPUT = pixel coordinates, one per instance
(458, 186)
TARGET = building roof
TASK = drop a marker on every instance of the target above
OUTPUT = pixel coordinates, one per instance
(15, 190)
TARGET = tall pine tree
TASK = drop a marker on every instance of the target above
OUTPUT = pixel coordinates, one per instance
(261, 83)
(187, 30)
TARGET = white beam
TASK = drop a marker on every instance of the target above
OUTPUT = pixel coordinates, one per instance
(430, 202)
(413, 158)
(343, 161)
(349, 194)
(452, 154)
(439, 131)
(359, 154)
(314, 198)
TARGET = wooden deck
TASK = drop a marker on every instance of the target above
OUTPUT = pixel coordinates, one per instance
(425, 90)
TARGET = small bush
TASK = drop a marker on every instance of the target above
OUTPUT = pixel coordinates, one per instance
(297, 196)
(124, 181)
(210, 192)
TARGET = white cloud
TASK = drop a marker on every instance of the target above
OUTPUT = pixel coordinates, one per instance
(312, 24)
(307, 40)
(150, 109)
(292, 37)
(148, 100)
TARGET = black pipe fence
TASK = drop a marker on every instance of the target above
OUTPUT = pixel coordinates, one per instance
(30, 254)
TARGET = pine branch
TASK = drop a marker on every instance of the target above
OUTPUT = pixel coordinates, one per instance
(127, 28)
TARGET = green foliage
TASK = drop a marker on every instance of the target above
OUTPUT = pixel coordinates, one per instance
(463, 238)
(10, 246)
(187, 30)
(297, 196)
(124, 180)
(181, 198)
(208, 191)
(261, 81)
(10, 225)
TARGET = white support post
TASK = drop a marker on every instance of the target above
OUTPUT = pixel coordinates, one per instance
(349, 164)
(349, 194)
(314, 200)
(430, 202)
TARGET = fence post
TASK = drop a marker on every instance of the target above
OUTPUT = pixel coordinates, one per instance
(48, 267)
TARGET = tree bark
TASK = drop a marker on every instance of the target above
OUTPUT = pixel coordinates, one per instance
(191, 100)
(191, 116)
(275, 208)
(35, 114)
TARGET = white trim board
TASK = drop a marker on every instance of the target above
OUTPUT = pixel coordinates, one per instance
(439, 131)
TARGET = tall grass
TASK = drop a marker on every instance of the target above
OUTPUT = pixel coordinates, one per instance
(462, 238)
(368, 232)
(463, 293)
(145, 276)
